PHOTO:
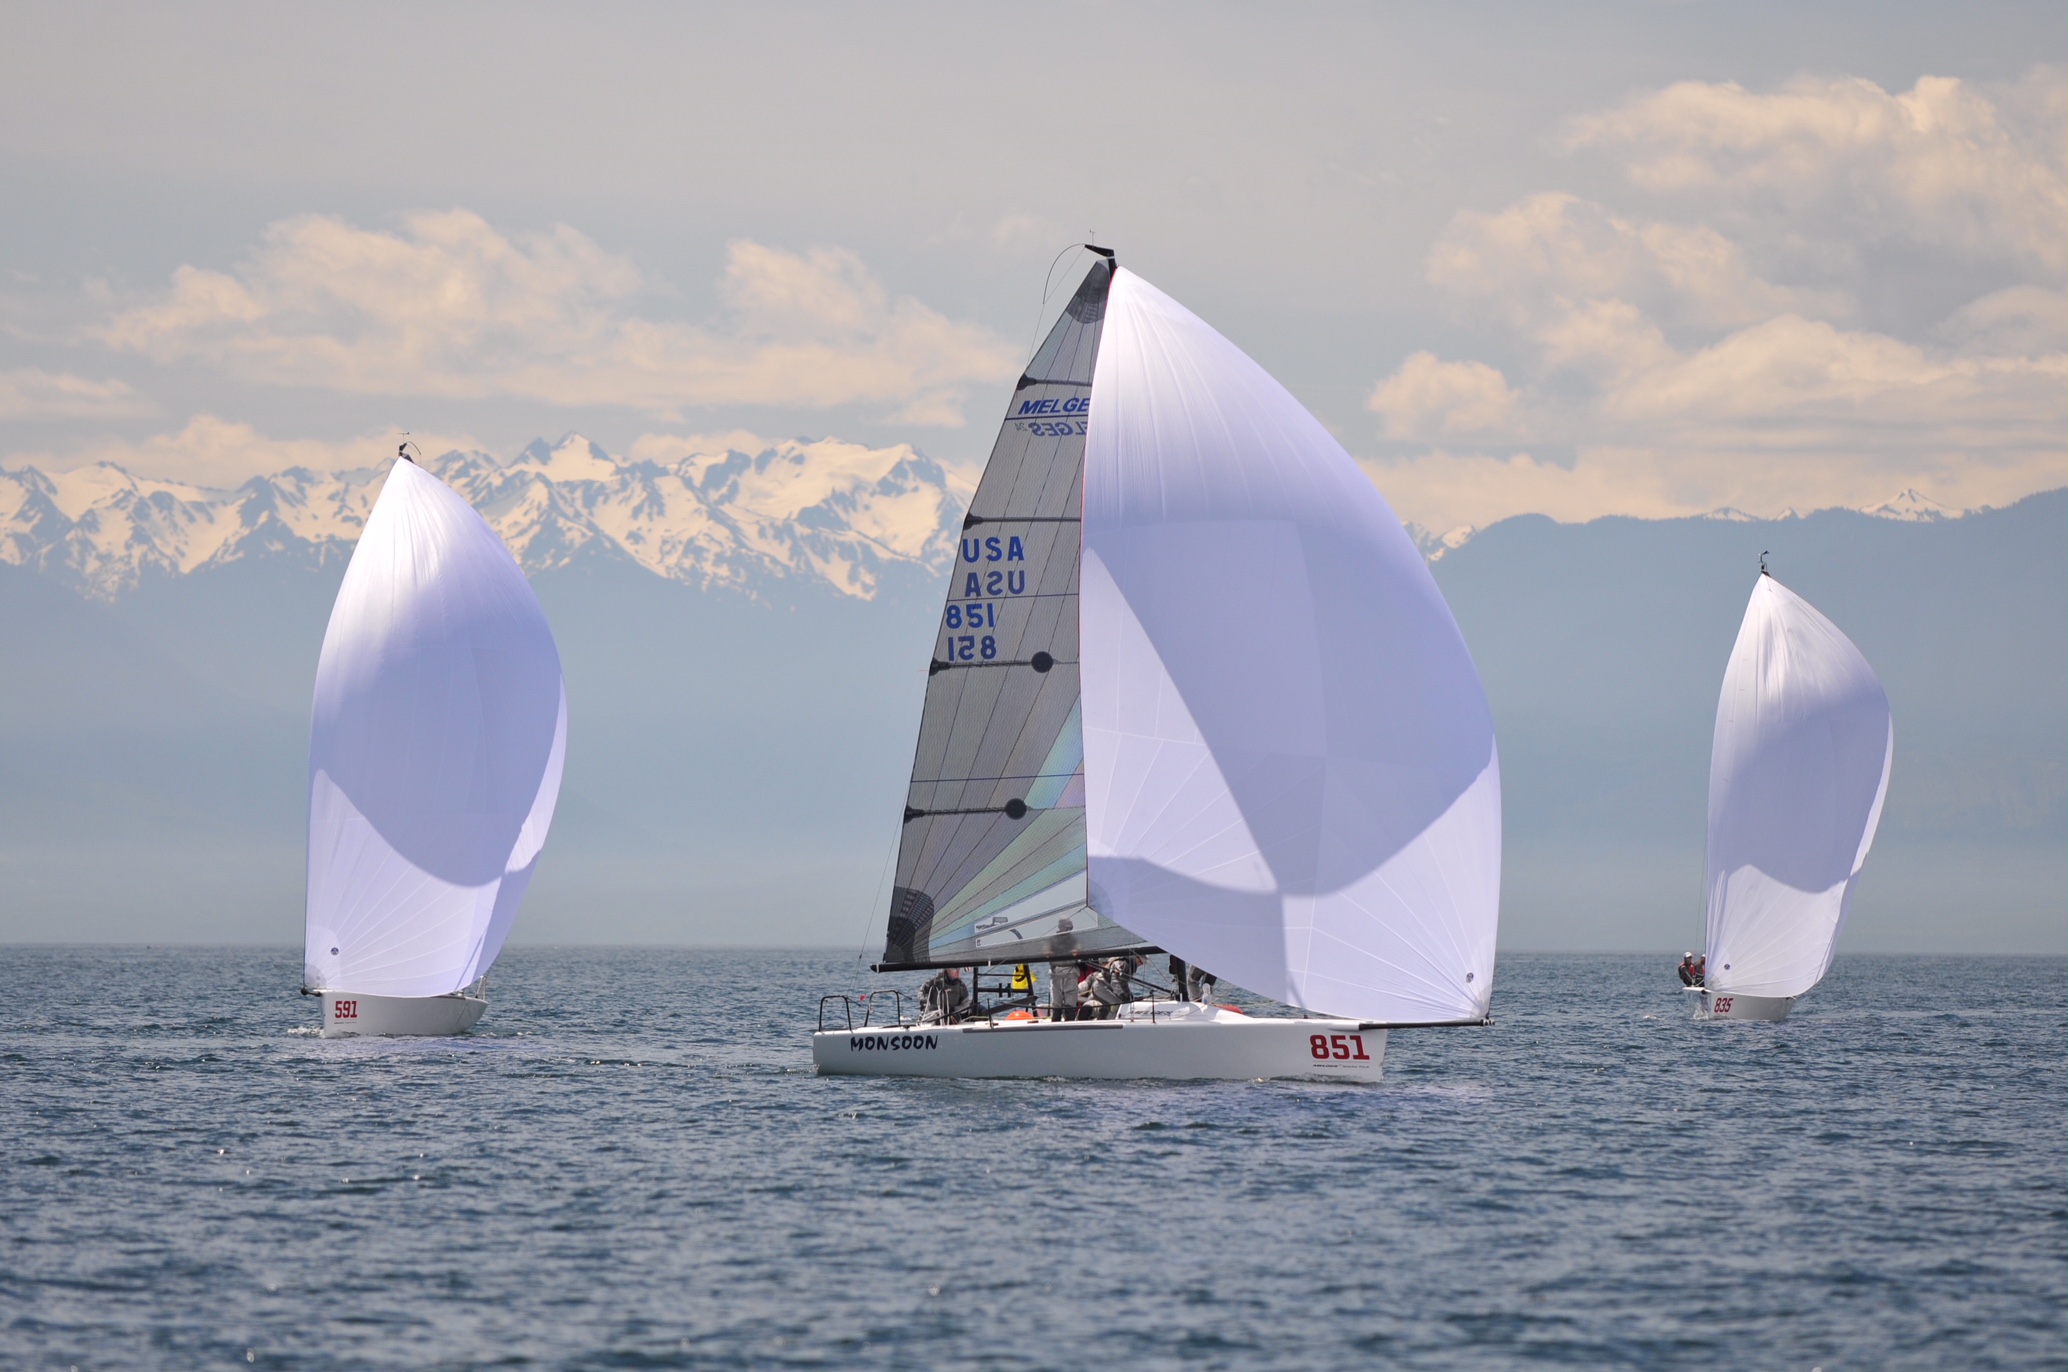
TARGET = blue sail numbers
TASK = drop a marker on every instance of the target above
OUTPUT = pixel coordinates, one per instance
(1194, 688)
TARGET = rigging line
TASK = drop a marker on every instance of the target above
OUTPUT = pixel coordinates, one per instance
(876, 901)
(1047, 288)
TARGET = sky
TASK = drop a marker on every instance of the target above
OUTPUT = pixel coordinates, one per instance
(1588, 259)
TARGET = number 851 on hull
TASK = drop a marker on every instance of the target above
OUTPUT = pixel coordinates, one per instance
(1167, 1040)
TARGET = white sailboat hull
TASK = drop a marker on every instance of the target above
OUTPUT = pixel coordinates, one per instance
(349, 1015)
(1729, 1005)
(1170, 1043)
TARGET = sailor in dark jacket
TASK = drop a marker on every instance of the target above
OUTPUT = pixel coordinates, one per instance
(944, 997)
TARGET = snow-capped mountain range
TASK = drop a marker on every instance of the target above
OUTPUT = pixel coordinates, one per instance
(819, 512)
(834, 513)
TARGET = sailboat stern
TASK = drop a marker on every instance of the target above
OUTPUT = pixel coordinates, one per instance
(1729, 1005)
(349, 1014)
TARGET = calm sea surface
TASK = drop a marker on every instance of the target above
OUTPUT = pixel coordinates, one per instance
(631, 1165)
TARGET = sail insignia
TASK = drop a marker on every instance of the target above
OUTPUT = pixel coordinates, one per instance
(991, 858)
(1259, 743)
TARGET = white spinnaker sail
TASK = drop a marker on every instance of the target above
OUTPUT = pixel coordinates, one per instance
(435, 750)
(1797, 776)
(1290, 769)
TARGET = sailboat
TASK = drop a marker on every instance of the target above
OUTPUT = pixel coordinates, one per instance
(1797, 776)
(1193, 691)
(435, 752)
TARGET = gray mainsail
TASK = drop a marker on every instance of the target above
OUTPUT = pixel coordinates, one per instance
(991, 867)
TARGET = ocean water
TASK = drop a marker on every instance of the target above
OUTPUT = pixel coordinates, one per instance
(631, 1164)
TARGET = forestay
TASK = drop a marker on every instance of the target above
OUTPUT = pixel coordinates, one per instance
(435, 750)
(991, 861)
(1797, 776)
(1291, 763)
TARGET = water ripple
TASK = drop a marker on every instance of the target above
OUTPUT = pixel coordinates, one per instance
(631, 1165)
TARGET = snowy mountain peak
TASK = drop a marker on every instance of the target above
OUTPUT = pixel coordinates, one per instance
(1433, 545)
(1913, 506)
(573, 458)
(836, 514)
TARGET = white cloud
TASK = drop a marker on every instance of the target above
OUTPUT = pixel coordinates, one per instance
(1667, 375)
(1430, 398)
(1939, 164)
(1534, 261)
(452, 307)
(218, 453)
(2018, 321)
(35, 394)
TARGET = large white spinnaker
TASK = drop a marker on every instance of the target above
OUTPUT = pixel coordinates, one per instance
(1797, 776)
(1289, 759)
(435, 750)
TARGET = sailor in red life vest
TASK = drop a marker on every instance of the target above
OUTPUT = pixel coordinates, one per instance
(1687, 969)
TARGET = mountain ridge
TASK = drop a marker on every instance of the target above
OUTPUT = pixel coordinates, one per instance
(802, 512)
(737, 765)
(823, 512)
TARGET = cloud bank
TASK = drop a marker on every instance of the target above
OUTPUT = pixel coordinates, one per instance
(451, 307)
(32, 393)
(1716, 344)
(215, 453)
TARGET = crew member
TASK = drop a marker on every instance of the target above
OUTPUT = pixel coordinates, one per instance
(943, 999)
(1687, 969)
(1702, 970)
(1201, 984)
(1112, 986)
(1177, 978)
(1062, 990)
